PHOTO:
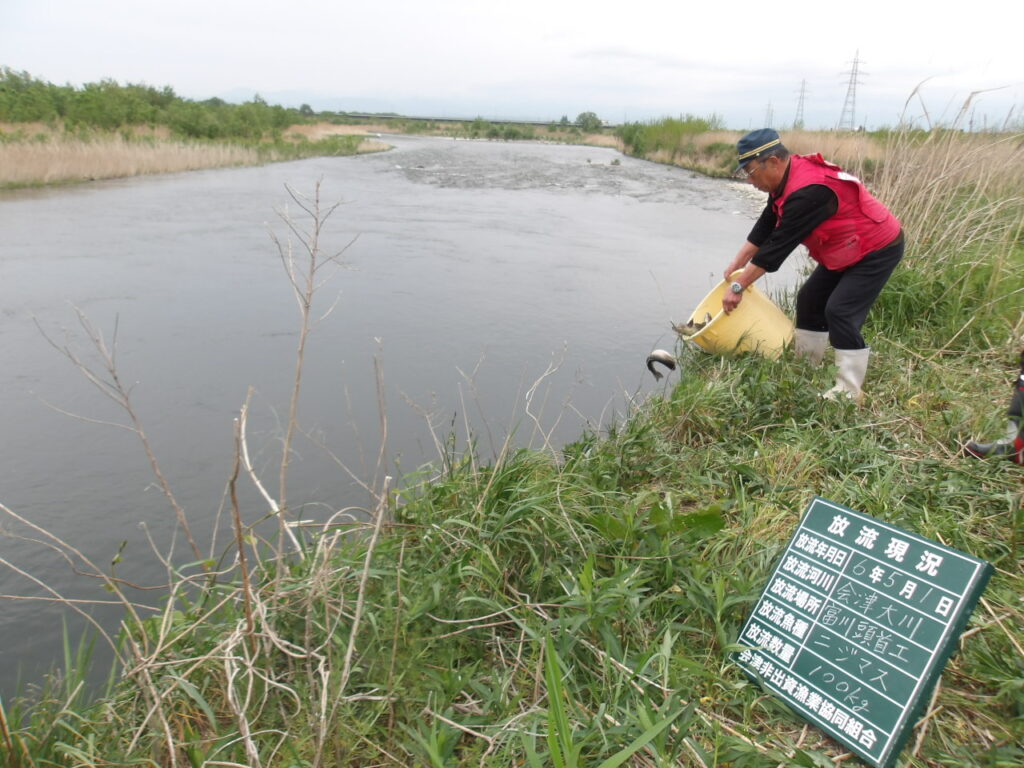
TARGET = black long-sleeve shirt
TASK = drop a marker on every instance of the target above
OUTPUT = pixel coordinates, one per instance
(806, 208)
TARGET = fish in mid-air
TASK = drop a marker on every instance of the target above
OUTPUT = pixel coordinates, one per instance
(663, 357)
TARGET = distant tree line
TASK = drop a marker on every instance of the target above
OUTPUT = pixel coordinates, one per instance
(111, 106)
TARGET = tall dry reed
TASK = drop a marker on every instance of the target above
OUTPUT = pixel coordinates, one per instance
(955, 192)
(850, 150)
(60, 159)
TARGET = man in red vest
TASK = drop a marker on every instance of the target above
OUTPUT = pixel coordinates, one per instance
(856, 241)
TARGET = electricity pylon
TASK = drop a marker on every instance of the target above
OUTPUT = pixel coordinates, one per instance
(798, 121)
(848, 119)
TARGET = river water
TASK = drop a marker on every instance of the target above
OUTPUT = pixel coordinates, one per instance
(471, 272)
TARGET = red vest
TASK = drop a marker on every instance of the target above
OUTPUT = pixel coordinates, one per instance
(860, 225)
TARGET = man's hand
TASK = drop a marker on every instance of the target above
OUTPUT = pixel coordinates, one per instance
(730, 301)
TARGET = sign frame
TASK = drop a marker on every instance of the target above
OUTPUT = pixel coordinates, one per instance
(852, 596)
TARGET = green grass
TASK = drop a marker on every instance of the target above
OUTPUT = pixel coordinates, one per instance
(560, 612)
(578, 609)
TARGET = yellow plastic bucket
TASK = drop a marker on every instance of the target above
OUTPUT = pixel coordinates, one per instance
(756, 325)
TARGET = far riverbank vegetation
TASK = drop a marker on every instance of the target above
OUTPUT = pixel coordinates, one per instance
(576, 605)
(57, 134)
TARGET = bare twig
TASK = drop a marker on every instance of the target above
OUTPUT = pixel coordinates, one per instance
(552, 368)
(111, 585)
(108, 381)
(305, 282)
(457, 726)
(236, 517)
(922, 724)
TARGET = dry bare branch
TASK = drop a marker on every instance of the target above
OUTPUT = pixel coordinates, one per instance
(107, 380)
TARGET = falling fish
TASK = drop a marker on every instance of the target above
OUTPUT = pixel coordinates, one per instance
(663, 357)
(691, 327)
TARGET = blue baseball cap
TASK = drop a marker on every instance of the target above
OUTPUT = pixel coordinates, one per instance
(755, 144)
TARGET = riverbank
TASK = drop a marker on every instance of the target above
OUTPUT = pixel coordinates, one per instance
(423, 641)
(37, 155)
(583, 601)
(691, 143)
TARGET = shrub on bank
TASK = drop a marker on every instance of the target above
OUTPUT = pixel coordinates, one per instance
(669, 139)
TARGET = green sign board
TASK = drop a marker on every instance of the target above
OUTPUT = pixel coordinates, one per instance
(856, 623)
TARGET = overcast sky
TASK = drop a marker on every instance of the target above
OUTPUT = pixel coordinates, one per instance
(746, 62)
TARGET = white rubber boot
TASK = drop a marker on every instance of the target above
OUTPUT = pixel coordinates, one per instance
(853, 366)
(810, 345)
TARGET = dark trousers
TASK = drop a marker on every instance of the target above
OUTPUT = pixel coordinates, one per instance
(838, 302)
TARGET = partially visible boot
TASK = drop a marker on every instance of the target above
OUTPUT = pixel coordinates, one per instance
(810, 345)
(1010, 447)
(852, 365)
(1001, 447)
